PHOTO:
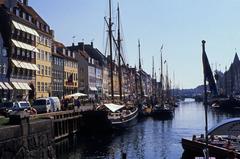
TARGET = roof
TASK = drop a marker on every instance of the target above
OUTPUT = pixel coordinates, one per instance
(59, 47)
(35, 15)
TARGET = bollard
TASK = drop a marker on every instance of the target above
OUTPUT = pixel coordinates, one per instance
(124, 155)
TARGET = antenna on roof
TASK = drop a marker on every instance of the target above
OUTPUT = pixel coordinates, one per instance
(73, 37)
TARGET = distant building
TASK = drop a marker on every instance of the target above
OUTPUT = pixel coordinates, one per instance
(70, 69)
(229, 82)
(57, 72)
(90, 68)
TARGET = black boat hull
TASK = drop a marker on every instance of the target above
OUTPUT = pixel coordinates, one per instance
(96, 122)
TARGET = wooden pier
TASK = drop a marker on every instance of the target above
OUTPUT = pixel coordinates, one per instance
(64, 123)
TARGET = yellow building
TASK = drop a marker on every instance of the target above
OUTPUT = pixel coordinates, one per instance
(70, 73)
(43, 58)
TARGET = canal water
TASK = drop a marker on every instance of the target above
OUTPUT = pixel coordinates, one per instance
(149, 139)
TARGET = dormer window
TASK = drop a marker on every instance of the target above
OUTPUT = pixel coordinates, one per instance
(47, 29)
(24, 15)
(69, 53)
(64, 51)
(30, 18)
(17, 12)
(38, 24)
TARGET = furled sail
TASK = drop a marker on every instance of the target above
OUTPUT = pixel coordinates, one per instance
(208, 72)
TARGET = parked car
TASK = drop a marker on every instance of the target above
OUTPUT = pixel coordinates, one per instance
(46, 105)
(7, 107)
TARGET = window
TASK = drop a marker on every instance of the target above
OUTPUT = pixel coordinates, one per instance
(38, 56)
(49, 71)
(30, 18)
(42, 55)
(42, 86)
(42, 70)
(23, 52)
(38, 86)
(46, 70)
(24, 15)
(33, 55)
(38, 72)
(46, 56)
(28, 54)
(46, 86)
(18, 51)
(17, 12)
(38, 24)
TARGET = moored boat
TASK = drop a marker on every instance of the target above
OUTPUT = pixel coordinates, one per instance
(120, 116)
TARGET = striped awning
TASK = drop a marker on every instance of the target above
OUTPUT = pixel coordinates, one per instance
(24, 28)
(25, 65)
(25, 46)
(8, 85)
(3, 86)
(21, 86)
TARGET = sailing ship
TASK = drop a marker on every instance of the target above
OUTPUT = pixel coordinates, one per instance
(145, 107)
(121, 114)
(164, 108)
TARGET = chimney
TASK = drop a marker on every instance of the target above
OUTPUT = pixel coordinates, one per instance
(81, 45)
(25, 2)
(72, 44)
(52, 33)
(92, 44)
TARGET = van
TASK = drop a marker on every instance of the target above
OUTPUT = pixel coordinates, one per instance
(55, 103)
(42, 105)
(46, 105)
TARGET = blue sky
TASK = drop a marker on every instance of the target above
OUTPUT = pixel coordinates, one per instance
(179, 25)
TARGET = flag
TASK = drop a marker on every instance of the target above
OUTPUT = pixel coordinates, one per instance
(70, 79)
(161, 47)
(208, 72)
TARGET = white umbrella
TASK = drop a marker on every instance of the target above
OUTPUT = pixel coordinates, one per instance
(76, 95)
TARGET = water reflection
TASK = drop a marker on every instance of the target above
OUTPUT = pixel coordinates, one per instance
(148, 139)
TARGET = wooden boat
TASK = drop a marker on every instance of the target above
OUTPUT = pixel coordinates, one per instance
(120, 116)
(163, 111)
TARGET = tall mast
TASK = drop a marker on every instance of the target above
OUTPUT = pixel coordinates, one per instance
(153, 67)
(140, 68)
(119, 56)
(110, 45)
(153, 76)
(205, 100)
(161, 78)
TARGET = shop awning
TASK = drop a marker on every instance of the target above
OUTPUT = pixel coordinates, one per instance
(24, 28)
(25, 46)
(3, 86)
(8, 85)
(16, 63)
(93, 88)
(25, 65)
(26, 86)
(15, 84)
(22, 86)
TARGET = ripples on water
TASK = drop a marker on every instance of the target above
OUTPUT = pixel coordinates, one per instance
(149, 139)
